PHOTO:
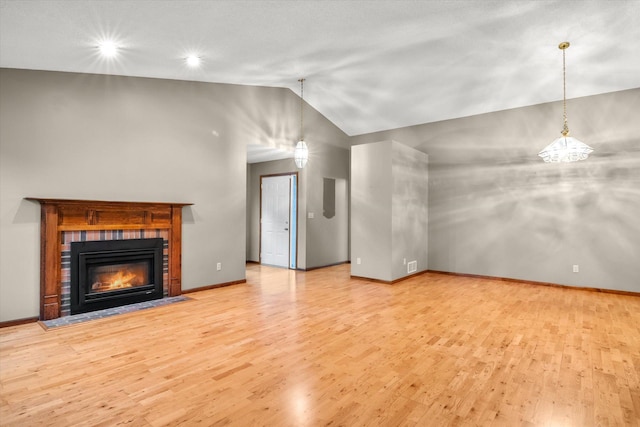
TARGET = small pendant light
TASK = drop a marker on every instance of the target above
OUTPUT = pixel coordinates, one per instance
(301, 152)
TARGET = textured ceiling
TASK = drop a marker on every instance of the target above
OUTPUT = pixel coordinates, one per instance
(369, 65)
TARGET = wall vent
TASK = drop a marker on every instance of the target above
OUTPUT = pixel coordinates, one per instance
(412, 266)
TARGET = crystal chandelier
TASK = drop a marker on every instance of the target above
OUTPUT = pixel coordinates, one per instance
(301, 152)
(565, 148)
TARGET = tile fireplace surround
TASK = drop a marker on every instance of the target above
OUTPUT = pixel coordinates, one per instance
(64, 220)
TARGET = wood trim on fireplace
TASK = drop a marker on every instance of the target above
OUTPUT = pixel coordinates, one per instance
(58, 215)
(175, 252)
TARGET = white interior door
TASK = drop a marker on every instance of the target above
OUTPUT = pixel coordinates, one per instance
(274, 240)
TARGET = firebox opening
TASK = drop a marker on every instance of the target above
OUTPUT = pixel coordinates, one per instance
(105, 278)
(106, 274)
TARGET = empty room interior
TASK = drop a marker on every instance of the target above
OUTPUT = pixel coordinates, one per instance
(306, 213)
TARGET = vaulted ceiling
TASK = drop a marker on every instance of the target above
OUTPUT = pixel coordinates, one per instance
(369, 65)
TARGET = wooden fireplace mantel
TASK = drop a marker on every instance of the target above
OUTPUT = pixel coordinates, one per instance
(58, 215)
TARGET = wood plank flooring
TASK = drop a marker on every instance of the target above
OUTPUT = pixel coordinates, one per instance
(320, 349)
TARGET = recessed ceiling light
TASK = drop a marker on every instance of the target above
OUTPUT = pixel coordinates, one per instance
(108, 48)
(193, 61)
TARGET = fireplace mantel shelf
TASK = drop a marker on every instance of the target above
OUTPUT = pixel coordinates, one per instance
(60, 215)
(103, 202)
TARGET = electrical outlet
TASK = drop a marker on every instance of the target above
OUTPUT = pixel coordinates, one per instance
(404, 261)
(358, 261)
(576, 268)
(219, 266)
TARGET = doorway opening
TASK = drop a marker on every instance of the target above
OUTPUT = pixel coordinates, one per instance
(278, 220)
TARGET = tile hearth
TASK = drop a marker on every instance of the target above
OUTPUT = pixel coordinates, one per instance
(101, 314)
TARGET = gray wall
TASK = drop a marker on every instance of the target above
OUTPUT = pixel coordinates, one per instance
(409, 207)
(321, 241)
(389, 217)
(327, 239)
(496, 209)
(371, 194)
(81, 136)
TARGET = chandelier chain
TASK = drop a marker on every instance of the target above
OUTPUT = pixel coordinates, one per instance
(565, 127)
(564, 86)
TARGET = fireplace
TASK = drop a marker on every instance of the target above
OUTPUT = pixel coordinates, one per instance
(111, 273)
(65, 221)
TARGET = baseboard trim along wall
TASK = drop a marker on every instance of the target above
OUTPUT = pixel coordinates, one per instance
(503, 279)
(532, 282)
(217, 285)
(26, 320)
(17, 322)
(390, 282)
(323, 266)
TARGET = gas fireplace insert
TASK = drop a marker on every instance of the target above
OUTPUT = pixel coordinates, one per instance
(111, 273)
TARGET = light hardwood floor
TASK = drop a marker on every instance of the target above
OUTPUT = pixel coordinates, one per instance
(318, 348)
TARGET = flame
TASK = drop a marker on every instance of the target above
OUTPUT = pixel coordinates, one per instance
(124, 278)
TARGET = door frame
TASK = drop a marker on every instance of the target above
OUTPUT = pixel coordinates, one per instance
(292, 208)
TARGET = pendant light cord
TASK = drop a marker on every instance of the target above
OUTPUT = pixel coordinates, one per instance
(301, 107)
